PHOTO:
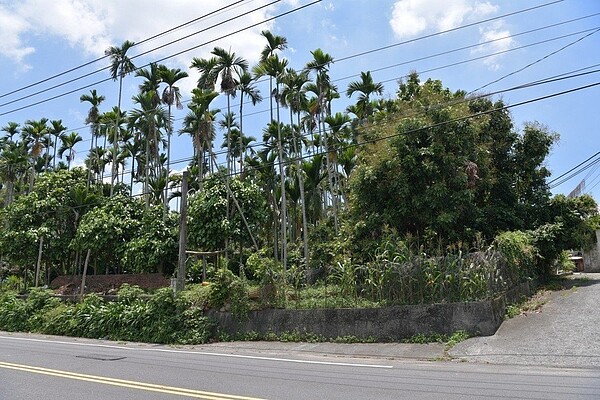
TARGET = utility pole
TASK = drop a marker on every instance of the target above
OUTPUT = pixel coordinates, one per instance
(180, 283)
(38, 266)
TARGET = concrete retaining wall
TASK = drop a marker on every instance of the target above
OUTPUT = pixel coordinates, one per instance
(481, 318)
(591, 258)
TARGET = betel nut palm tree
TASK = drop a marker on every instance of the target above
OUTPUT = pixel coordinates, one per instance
(325, 92)
(120, 66)
(274, 43)
(92, 119)
(170, 96)
(366, 87)
(274, 67)
(68, 146)
(247, 88)
(33, 134)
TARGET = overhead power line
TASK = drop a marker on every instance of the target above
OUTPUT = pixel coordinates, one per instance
(538, 60)
(450, 30)
(136, 56)
(290, 161)
(456, 50)
(338, 60)
(162, 59)
(464, 100)
(215, 12)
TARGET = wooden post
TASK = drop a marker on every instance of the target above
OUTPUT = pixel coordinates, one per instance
(180, 283)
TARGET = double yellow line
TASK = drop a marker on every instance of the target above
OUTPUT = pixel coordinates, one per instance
(197, 394)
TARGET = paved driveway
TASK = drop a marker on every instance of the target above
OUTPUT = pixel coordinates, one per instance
(564, 333)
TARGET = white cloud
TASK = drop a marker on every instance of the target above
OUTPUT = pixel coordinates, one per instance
(499, 39)
(11, 45)
(413, 17)
(92, 26)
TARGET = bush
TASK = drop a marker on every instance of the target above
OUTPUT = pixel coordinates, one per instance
(160, 318)
(519, 256)
(230, 291)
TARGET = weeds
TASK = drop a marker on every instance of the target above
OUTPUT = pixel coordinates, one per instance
(448, 340)
(526, 305)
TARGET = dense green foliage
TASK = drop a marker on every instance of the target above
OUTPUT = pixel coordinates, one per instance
(431, 196)
(160, 318)
(444, 176)
(209, 225)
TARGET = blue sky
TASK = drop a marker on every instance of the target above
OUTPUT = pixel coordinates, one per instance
(42, 38)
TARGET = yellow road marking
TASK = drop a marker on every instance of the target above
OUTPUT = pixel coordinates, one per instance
(125, 383)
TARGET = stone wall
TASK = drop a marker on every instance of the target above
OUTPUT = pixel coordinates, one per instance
(481, 318)
(591, 258)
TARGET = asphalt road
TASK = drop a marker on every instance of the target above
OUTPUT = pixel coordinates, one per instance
(565, 333)
(51, 368)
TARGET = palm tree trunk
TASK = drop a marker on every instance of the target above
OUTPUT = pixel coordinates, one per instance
(93, 130)
(330, 177)
(54, 156)
(132, 174)
(147, 174)
(302, 198)
(228, 151)
(116, 139)
(283, 196)
(169, 132)
(242, 150)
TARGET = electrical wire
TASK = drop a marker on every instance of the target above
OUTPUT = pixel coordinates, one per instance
(537, 61)
(432, 126)
(575, 167)
(267, 20)
(442, 66)
(136, 56)
(449, 30)
(552, 79)
(215, 12)
(289, 161)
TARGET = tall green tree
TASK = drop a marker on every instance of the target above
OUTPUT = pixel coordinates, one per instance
(121, 65)
(171, 96)
(325, 92)
(274, 43)
(34, 133)
(274, 67)
(246, 88)
(434, 178)
(14, 162)
(55, 129)
(199, 124)
(365, 87)
(68, 145)
(147, 119)
(92, 117)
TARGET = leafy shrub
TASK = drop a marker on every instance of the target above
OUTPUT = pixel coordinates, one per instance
(564, 262)
(231, 291)
(12, 282)
(160, 318)
(519, 255)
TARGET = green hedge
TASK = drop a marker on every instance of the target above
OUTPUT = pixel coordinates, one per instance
(161, 318)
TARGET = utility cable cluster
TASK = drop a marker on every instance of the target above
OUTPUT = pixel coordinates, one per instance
(233, 33)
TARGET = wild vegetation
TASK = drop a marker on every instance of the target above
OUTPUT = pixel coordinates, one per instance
(430, 196)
